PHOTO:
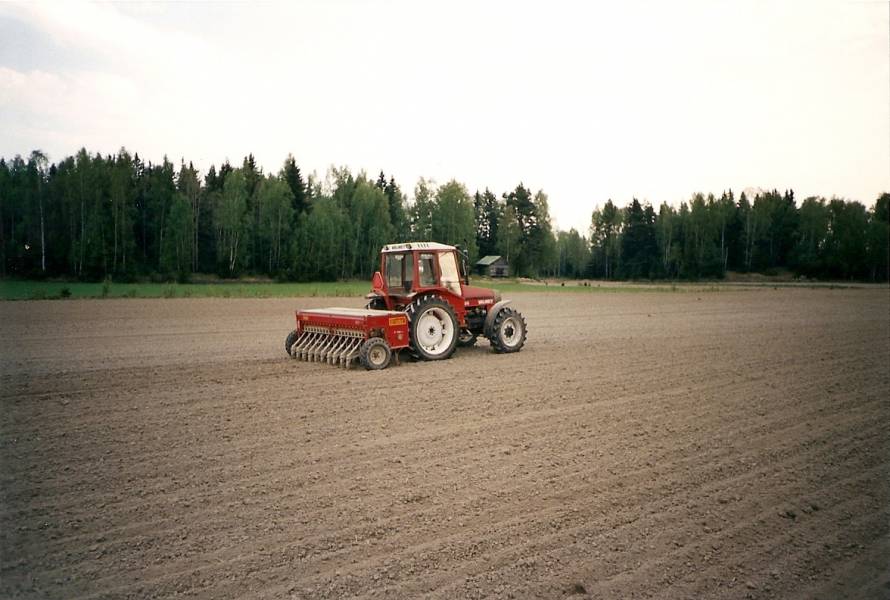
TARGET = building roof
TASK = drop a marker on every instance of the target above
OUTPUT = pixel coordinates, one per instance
(416, 246)
(488, 260)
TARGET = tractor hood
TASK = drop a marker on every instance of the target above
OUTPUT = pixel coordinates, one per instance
(479, 293)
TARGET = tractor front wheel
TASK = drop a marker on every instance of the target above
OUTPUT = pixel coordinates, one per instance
(433, 330)
(289, 342)
(508, 332)
(375, 354)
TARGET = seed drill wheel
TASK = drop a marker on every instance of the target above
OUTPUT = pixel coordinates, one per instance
(508, 332)
(433, 328)
(289, 342)
(375, 354)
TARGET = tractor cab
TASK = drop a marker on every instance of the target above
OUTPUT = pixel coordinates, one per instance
(407, 270)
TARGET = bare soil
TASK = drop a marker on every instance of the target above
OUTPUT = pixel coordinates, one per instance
(730, 444)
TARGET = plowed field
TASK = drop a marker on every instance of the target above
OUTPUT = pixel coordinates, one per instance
(675, 445)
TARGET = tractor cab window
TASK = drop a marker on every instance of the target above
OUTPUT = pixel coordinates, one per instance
(450, 273)
(399, 271)
(427, 268)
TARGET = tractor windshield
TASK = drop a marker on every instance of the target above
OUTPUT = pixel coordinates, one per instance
(399, 271)
(450, 275)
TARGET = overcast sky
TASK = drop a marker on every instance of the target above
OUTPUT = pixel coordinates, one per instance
(587, 101)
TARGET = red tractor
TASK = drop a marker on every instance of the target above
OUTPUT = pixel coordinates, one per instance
(421, 299)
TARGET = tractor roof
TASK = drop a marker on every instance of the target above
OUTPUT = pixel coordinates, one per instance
(416, 246)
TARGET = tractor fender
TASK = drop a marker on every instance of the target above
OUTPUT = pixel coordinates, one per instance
(492, 312)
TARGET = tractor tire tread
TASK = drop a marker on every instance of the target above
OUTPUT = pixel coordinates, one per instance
(495, 339)
(365, 351)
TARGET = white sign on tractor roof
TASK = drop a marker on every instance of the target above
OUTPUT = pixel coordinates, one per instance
(416, 246)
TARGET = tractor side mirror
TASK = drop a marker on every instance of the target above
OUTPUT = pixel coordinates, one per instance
(377, 282)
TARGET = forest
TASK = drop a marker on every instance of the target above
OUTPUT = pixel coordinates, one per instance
(92, 217)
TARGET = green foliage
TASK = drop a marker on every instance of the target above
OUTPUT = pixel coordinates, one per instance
(276, 211)
(775, 222)
(177, 244)
(667, 233)
(878, 242)
(573, 254)
(486, 212)
(93, 217)
(188, 185)
(421, 213)
(232, 222)
(509, 235)
(809, 253)
(639, 247)
(319, 251)
(525, 217)
(542, 241)
(707, 236)
(846, 251)
(300, 193)
(605, 231)
(453, 219)
(371, 229)
(398, 217)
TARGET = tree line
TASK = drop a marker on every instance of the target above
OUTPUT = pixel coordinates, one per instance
(708, 236)
(94, 217)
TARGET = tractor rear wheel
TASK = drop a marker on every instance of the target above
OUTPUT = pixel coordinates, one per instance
(375, 354)
(508, 332)
(289, 342)
(433, 330)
